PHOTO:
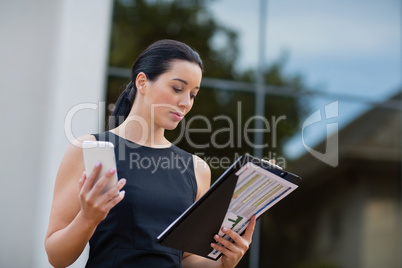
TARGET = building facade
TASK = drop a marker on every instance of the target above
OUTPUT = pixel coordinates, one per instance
(54, 60)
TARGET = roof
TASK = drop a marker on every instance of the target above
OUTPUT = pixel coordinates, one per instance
(373, 136)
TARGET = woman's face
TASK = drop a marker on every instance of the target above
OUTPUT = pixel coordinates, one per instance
(171, 96)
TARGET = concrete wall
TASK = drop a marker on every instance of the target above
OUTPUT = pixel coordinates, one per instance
(381, 243)
(381, 234)
(53, 57)
(338, 234)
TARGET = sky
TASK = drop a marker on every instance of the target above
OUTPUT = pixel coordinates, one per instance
(343, 47)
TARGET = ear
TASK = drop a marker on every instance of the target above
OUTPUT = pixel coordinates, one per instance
(141, 82)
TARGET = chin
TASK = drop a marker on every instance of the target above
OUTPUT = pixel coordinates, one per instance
(167, 125)
(171, 126)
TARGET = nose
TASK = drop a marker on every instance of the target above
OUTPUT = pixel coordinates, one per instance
(185, 101)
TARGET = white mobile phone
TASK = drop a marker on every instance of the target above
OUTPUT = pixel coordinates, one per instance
(100, 151)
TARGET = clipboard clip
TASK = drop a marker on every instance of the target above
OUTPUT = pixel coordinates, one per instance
(271, 163)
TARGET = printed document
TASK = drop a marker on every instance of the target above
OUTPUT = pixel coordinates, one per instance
(256, 191)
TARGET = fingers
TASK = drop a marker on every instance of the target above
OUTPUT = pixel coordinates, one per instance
(238, 240)
(114, 193)
(90, 188)
(232, 234)
(115, 200)
(90, 180)
(100, 184)
(225, 246)
(250, 229)
(232, 252)
(94, 187)
(95, 204)
(240, 243)
(225, 251)
(82, 181)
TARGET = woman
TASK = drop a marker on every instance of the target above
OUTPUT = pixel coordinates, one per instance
(122, 228)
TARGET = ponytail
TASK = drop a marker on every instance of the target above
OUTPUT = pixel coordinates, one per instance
(122, 106)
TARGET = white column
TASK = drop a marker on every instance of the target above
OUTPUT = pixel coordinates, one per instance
(79, 62)
(27, 33)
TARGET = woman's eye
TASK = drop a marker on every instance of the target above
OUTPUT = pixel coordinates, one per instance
(193, 96)
(177, 89)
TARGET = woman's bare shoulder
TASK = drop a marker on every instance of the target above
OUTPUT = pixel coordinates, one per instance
(72, 163)
(78, 141)
(202, 175)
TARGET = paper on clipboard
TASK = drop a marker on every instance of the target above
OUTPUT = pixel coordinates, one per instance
(256, 191)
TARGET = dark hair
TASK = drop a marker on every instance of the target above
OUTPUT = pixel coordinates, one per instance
(153, 61)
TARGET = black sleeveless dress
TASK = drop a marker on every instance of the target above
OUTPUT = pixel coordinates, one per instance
(160, 186)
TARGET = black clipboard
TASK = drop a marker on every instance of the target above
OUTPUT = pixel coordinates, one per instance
(193, 231)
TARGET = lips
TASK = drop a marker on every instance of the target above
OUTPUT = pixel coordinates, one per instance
(177, 116)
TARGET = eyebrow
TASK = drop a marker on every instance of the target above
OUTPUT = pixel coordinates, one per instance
(184, 82)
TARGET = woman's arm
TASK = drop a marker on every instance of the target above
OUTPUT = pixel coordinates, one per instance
(78, 207)
(232, 252)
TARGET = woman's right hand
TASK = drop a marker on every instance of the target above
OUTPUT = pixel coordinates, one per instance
(78, 207)
(94, 205)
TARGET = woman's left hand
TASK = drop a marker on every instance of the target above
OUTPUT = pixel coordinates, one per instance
(233, 252)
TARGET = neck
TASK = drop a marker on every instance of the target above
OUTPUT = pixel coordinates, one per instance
(139, 129)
